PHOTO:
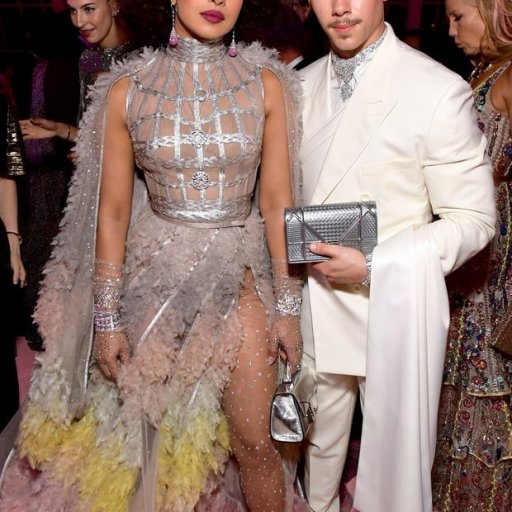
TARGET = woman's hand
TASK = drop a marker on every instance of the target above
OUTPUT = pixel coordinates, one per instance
(285, 333)
(112, 351)
(41, 128)
(18, 270)
(73, 157)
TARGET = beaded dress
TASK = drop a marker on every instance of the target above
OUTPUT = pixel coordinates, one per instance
(473, 466)
(93, 62)
(158, 441)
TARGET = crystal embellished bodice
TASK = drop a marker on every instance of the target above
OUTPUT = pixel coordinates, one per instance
(196, 120)
(93, 62)
(496, 126)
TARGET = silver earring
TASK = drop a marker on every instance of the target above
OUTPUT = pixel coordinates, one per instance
(173, 37)
(115, 12)
(233, 50)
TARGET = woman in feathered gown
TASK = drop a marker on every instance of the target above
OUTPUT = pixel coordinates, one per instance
(141, 412)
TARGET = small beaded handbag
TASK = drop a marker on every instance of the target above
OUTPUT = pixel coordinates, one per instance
(501, 338)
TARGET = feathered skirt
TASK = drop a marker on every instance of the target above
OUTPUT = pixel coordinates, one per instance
(159, 440)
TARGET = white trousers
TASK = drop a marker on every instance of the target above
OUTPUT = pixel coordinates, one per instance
(328, 437)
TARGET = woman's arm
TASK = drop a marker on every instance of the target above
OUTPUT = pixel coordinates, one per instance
(117, 180)
(275, 178)
(501, 94)
(507, 94)
(9, 216)
(116, 189)
(275, 196)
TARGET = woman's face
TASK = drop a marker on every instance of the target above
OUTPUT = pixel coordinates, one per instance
(95, 21)
(206, 19)
(466, 26)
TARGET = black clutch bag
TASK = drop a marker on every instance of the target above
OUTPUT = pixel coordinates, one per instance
(348, 224)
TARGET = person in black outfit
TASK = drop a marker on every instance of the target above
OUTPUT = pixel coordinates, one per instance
(12, 272)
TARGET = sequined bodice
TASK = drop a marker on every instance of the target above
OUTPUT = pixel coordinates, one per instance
(496, 127)
(196, 120)
(94, 61)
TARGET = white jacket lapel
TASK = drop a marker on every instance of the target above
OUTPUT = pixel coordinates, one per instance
(371, 103)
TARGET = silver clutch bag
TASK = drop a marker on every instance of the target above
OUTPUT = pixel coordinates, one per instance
(348, 224)
(291, 414)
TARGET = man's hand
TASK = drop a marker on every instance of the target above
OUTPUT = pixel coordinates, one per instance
(346, 265)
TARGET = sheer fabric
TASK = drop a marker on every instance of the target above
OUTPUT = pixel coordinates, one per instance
(195, 306)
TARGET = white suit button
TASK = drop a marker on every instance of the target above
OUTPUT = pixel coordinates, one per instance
(365, 197)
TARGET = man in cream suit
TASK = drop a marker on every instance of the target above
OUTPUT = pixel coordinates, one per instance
(385, 123)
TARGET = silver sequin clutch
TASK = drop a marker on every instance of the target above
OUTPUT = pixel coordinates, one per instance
(348, 224)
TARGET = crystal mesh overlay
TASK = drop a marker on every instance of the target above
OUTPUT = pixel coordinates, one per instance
(196, 133)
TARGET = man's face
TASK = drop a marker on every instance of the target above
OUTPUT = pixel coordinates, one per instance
(350, 25)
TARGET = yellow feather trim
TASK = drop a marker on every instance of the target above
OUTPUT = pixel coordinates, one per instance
(70, 456)
(187, 461)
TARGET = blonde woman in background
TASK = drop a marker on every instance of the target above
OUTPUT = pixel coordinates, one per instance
(473, 466)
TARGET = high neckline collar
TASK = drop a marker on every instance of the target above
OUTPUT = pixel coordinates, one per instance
(191, 50)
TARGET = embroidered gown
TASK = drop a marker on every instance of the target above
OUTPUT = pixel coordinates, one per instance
(473, 465)
(159, 440)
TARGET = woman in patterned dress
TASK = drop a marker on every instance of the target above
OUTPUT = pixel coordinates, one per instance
(473, 466)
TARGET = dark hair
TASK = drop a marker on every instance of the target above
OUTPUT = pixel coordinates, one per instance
(286, 30)
(256, 17)
(148, 21)
(50, 35)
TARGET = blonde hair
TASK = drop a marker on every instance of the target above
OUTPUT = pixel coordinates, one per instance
(497, 17)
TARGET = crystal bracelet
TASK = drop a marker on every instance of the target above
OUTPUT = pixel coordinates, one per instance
(107, 321)
(288, 304)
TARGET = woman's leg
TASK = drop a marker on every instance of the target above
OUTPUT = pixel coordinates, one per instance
(247, 406)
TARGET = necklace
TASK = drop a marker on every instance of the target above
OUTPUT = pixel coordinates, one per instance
(345, 68)
(483, 71)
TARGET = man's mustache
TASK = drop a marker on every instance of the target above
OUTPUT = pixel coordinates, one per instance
(344, 22)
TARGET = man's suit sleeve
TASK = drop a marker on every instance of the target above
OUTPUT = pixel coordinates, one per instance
(459, 180)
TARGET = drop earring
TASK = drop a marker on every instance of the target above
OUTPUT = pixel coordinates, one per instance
(173, 37)
(233, 50)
